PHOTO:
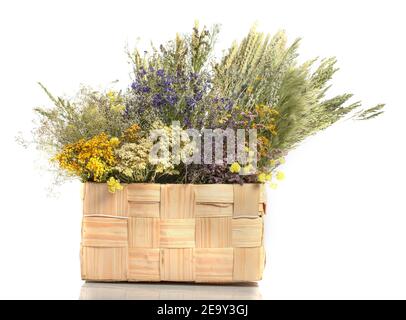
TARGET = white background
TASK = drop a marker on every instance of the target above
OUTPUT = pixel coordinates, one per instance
(336, 227)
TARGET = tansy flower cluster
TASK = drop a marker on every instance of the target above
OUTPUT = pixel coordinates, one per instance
(90, 159)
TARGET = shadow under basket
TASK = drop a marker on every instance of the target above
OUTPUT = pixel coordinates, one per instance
(173, 232)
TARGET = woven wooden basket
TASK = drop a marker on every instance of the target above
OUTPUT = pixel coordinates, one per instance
(173, 232)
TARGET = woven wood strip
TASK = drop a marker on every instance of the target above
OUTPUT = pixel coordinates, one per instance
(104, 232)
(144, 192)
(143, 264)
(104, 264)
(177, 233)
(143, 232)
(246, 199)
(143, 209)
(177, 201)
(98, 200)
(192, 233)
(213, 232)
(214, 264)
(246, 262)
(214, 210)
(209, 193)
(247, 232)
(177, 264)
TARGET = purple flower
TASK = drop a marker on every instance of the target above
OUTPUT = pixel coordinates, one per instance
(160, 73)
(172, 99)
(169, 89)
(187, 122)
(157, 100)
(142, 72)
(198, 96)
(134, 85)
(228, 105)
(190, 102)
(168, 81)
(145, 89)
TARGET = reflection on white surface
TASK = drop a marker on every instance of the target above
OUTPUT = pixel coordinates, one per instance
(168, 291)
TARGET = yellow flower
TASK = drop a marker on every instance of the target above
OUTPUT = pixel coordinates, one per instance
(119, 108)
(97, 168)
(262, 177)
(235, 167)
(273, 112)
(282, 160)
(280, 175)
(250, 89)
(272, 162)
(111, 95)
(114, 185)
(114, 141)
(272, 128)
(88, 158)
(132, 134)
(273, 186)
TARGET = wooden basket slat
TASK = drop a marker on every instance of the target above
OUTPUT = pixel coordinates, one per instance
(143, 264)
(104, 232)
(98, 200)
(214, 264)
(213, 232)
(177, 264)
(247, 232)
(143, 232)
(214, 210)
(246, 199)
(177, 233)
(143, 209)
(248, 264)
(143, 192)
(104, 264)
(177, 201)
(214, 193)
